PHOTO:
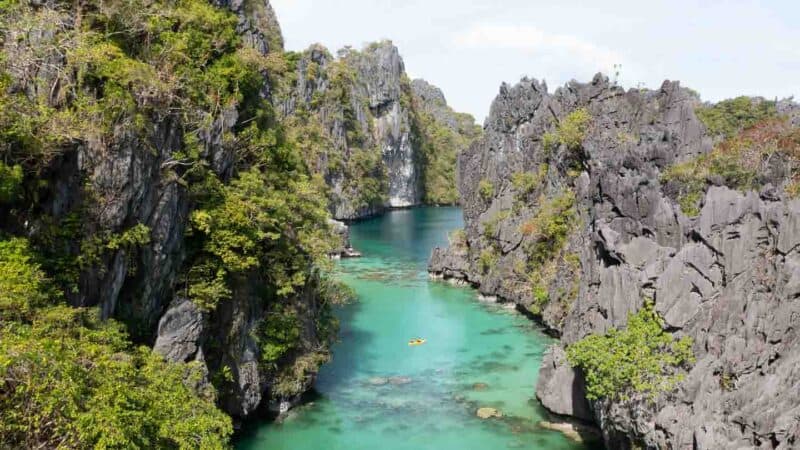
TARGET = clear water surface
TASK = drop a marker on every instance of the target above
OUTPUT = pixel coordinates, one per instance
(380, 393)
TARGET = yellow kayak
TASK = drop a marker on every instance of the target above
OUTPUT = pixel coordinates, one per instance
(418, 341)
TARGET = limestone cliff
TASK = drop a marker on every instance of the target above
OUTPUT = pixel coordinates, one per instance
(112, 192)
(582, 203)
(362, 120)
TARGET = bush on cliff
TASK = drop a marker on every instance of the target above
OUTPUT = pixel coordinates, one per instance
(570, 131)
(546, 235)
(485, 189)
(739, 162)
(640, 359)
(727, 117)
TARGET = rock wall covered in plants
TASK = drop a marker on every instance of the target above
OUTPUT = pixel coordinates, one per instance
(143, 165)
(585, 205)
(370, 132)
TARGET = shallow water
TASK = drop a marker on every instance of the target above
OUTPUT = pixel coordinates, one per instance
(380, 393)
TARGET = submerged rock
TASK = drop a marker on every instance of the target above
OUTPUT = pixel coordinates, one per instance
(399, 381)
(378, 381)
(575, 432)
(488, 413)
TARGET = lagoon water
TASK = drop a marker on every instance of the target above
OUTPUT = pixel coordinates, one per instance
(380, 393)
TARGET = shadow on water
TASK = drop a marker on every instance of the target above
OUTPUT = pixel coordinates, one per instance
(354, 348)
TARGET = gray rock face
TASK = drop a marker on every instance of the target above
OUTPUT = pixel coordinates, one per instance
(362, 102)
(359, 101)
(258, 24)
(561, 388)
(132, 178)
(727, 278)
(180, 332)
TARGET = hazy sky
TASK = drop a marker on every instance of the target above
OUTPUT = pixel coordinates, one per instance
(467, 48)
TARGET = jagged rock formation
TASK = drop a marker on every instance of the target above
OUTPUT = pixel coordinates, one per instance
(359, 112)
(105, 186)
(594, 229)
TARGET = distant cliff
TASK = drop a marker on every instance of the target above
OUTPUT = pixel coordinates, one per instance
(378, 140)
(590, 204)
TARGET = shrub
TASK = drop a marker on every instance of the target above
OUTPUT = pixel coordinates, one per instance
(278, 333)
(485, 189)
(572, 129)
(458, 238)
(737, 161)
(548, 230)
(259, 220)
(728, 117)
(793, 188)
(525, 183)
(641, 359)
(546, 234)
(367, 177)
(72, 381)
(293, 379)
(549, 142)
(10, 182)
(22, 284)
(487, 260)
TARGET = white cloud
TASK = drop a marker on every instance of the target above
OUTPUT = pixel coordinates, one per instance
(572, 50)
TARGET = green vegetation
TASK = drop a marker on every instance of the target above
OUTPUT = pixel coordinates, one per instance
(458, 238)
(487, 260)
(490, 226)
(439, 145)
(22, 284)
(259, 220)
(641, 359)
(549, 229)
(367, 177)
(736, 161)
(70, 380)
(570, 132)
(485, 189)
(526, 183)
(278, 333)
(67, 378)
(793, 188)
(10, 182)
(549, 142)
(546, 236)
(728, 117)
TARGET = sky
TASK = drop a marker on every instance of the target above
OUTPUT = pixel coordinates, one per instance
(719, 48)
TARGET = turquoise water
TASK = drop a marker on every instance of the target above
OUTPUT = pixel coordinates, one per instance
(379, 393)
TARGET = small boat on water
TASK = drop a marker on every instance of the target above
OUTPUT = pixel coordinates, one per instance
(416, 341)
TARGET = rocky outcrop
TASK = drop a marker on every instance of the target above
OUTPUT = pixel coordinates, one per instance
(359, 111)
(727, 277)
(100, 190)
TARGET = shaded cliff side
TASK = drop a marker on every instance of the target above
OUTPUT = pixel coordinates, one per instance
(378, 140)
(583, 204)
